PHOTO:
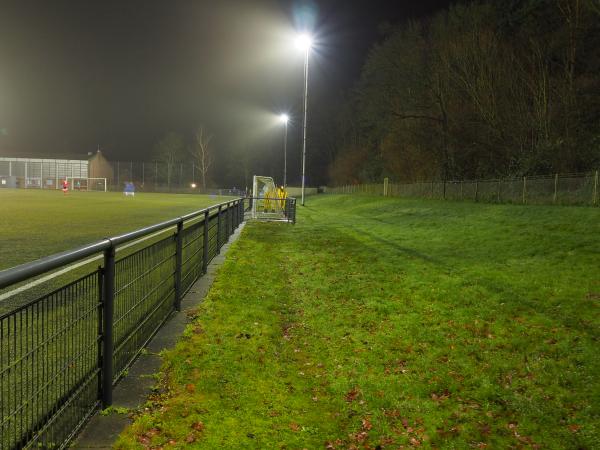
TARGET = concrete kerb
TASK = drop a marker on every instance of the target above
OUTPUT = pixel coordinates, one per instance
(102, 431)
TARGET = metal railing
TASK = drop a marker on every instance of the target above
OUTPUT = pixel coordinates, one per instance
(62, 353)
(559, 189)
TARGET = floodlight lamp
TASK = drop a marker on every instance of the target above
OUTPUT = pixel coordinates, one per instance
(193, 185)
(284, 118)
(304, 42)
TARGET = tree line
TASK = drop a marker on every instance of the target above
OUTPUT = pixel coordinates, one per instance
(481, 90)
(172, 150)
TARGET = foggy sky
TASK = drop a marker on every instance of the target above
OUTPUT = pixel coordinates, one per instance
(120, 74)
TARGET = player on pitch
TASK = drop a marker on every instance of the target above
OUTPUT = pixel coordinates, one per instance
(65, 186)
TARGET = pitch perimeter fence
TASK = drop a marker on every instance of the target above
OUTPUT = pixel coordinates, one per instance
(566, 189)
(62, 353)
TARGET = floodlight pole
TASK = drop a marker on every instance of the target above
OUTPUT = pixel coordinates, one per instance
(285, 154)
(304, 127)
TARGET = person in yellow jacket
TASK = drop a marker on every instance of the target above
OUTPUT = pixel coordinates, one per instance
(281, 195)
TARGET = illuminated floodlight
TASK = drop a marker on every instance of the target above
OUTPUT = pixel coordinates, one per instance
(284, 118)
(304, 42)
(193, 185)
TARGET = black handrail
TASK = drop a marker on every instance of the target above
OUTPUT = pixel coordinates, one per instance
(28, 270)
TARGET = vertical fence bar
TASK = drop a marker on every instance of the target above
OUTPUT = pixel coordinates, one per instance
(205, 248)
(108, 301)
(228, 216)
(235, 216)
(476, 189)
(178, 264)
(555, 188)
(219, 230)
(524, 189)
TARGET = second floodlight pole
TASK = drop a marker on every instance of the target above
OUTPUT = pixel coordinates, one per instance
(304, 131)
(285, 155)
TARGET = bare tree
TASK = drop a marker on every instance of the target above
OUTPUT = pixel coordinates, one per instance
(202, 153)
(168, 151)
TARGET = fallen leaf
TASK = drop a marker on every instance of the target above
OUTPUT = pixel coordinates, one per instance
(190, 388)
(352, 395)
(294, 426)
(198, 426)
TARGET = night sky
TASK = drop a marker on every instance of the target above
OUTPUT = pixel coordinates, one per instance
(119, 74)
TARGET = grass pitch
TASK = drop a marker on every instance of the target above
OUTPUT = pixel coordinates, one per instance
(382, 323)
(35, 223)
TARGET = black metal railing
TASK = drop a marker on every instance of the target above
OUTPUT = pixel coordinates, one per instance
(62, 353)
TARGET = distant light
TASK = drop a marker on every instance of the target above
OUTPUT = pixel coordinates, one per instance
(284, 118)
(304, 42)
(193, 185)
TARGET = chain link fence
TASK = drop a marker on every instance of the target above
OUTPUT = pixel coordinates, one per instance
(566, 189)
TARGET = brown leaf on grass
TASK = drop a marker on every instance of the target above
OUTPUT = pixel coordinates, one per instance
(294, 427)
(485, 429)
(190, 438)
(352, 395)
(366, 424)
(574, 428)
(387, 440)
(152, 432)
(415, 442)
(404, 421)
(439, 397)
(172, 442)
(332, 445)
(190, 388)
(145, 441)
(198, 426)
(391, 413)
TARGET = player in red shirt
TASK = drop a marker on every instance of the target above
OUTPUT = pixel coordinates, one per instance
(65, 186)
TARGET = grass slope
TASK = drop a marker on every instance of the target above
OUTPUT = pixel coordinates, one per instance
(38, 223)
(380, 323)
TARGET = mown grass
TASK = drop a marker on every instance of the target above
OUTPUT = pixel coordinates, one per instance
(380, 323)
(35, 223)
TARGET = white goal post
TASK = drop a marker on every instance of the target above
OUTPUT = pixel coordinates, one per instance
(87, 184)
(268, 202)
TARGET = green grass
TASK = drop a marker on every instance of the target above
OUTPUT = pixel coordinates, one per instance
(38, 223)
(388, 322)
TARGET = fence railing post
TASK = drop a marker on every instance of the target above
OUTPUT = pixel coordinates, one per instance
(236, 214)
(205, 245)
(108, 302)
(178, 264)
(524, 190)
(219, 230)
(476, 190)
(229, 220)
(555, 188)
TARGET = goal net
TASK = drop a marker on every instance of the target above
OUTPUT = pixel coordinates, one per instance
(268, 201)
(87, 184)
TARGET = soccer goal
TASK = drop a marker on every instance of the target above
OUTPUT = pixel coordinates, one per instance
(269, 202)
(87, 184)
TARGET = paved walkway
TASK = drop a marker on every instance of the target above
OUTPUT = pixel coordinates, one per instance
(102, 431)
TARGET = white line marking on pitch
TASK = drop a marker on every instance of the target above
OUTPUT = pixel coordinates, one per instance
(74, 266)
